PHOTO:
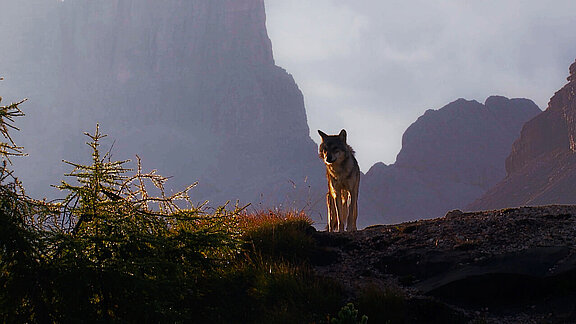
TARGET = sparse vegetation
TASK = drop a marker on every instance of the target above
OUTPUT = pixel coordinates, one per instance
(105, 253)
(111, 251)
(273, 274)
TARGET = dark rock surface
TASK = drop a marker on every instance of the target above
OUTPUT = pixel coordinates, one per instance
(449, 157)
(503, 266)
(541, 168)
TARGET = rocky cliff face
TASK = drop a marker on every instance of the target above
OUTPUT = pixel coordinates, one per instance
(449, 157)
(190, 86)
(542, 165)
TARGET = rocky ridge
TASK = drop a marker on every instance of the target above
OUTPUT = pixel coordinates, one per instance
(502, 266)
(449, 157)
(541, 168)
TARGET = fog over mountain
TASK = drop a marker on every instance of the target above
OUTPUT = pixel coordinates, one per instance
(191, 87)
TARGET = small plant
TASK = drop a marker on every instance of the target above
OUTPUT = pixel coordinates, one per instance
(349, 315)
(383, 305)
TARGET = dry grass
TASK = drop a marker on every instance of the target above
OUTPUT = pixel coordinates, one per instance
(279, 236)
(272, 275)
(269, 218)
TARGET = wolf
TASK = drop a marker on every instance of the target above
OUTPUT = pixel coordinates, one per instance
(343, 174)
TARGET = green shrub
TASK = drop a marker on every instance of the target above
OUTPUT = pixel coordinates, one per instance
(349, 315)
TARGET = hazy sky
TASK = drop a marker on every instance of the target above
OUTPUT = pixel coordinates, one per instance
(374, 66)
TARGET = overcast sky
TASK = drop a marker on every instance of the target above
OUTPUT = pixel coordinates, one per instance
(374, 66)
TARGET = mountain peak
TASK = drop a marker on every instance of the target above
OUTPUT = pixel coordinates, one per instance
(572, 76)
(190, 86)
(540, 168)
(495, 100)
(449, 156)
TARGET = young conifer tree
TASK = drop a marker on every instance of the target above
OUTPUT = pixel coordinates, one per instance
(139, 254)
(110, 250)
(22, 294)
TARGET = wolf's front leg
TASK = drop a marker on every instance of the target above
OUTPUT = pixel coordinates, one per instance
(342, 210)
(332, 214)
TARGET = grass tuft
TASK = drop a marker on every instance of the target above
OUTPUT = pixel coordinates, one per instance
(266, 218)
(278, 235)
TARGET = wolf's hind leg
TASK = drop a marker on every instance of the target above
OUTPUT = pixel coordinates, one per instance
(352, 211)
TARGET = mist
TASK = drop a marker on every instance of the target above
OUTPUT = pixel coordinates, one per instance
(191, 88)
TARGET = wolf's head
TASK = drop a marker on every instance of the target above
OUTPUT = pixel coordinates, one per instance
(333, 148)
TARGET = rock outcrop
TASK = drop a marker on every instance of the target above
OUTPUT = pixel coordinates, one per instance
(541, 169)
(514, 265)
(190, 86)
(449, 157)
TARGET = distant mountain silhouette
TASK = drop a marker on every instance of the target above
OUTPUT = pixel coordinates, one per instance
(449, 157)
(190, 86)
(541, 169)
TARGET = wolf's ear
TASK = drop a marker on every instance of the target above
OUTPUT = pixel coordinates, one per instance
(322, 134)
(342, 135)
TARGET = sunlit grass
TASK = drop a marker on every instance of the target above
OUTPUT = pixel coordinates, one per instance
(104, 254)
(278, 235)
(273, 276)
(250, 221)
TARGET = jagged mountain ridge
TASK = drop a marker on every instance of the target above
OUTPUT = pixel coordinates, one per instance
(541, 168)
(193, 89)
(449, 157)
(190, 86)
